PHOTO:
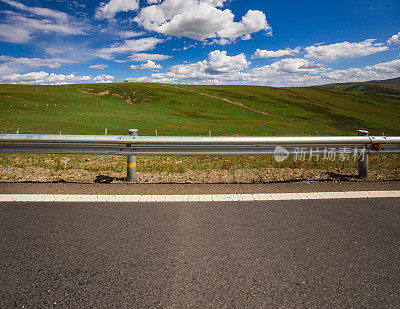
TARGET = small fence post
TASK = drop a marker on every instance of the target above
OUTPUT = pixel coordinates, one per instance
(131, 164)
(363, 160)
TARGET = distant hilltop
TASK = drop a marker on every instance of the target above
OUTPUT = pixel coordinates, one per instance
(391, 80)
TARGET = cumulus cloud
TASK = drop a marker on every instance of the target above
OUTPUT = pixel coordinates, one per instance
(344, 50)
(32, 76)
(219, 68)
(200, 20)
(98, 66)
(128, 46)
(61, 78)
(110, 9)
(280, 74)
(20, 27)
(262, 53)
(43, 78)
(151, 65)
(378, 71)
(103, 78)
(276, 76)
(395, 39)
(218, 65)
(290, 66)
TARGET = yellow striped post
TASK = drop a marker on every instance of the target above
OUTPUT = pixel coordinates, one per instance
(131, 164)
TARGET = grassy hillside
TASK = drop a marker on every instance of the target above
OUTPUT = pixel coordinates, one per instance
(384, 89)
(195, 110)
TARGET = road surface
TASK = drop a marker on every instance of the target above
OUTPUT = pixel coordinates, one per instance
(307, 253)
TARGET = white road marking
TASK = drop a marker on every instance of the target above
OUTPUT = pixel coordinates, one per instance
(196, 198)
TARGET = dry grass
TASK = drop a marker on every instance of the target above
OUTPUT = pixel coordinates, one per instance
(181, 169)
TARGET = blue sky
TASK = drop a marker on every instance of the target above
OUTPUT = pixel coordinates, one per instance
(273, 43)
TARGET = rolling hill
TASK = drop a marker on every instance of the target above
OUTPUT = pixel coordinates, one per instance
(389, 89)
(338, 109)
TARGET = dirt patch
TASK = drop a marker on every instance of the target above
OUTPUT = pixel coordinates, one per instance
(103, 93)
(99, 94)
(266, 175)
(15, 98)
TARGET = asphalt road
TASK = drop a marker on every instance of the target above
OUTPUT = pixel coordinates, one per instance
(313, 253)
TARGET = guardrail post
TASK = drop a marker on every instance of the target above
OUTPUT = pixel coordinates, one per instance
(131, 164)
(363, 160)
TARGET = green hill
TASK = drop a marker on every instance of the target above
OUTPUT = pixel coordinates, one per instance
(195, 110)
(384, 89)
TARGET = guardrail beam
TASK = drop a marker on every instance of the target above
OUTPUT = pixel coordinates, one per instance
(132, 145)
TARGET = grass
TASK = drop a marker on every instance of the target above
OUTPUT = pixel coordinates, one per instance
(181, 164)
(338, 109)
(77, 109)
(384, 90)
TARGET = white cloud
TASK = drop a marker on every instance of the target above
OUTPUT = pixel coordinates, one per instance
(344, 50)
(110, 9)
(43, 78)
(10, 64)
(322, 75)
(262, 53)
(21, 28)
(98, 66)
(217, 66)
(142, 57)
(25, 77)
(151, 65)
(53, 51)
(395, 39)
(52, 63)
(200, 20)
(217, 63)
(14, 34)
(378, 71)
(128, 46)
(61, 78)
(130, 34)
(289, 66)
(61, 16)
(103, 78)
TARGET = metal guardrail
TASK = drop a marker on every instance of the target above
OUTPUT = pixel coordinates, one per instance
(133, 145)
